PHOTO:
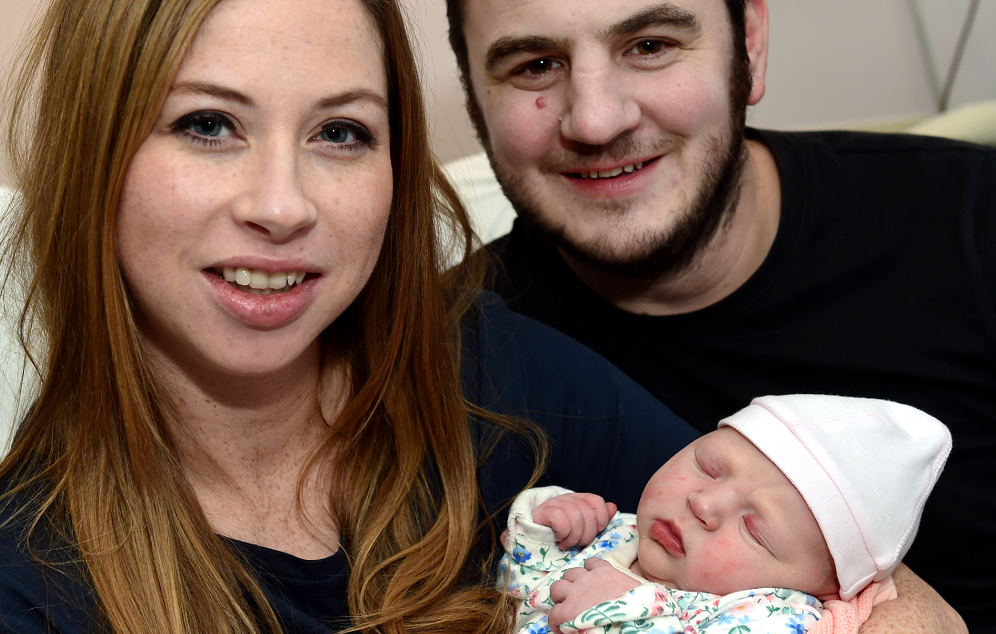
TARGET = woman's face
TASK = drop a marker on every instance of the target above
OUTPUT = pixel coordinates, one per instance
(270, 161)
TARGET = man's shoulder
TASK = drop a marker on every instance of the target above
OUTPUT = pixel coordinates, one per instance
(874, 177)
(854, 141)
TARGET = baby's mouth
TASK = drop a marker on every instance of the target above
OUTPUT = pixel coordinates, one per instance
(668, 535)
(258, 281)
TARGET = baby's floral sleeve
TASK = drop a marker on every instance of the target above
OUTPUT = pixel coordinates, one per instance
(533, 561)
(531, 550)
(652, 609)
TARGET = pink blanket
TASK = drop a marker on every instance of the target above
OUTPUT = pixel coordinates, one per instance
(846, 617)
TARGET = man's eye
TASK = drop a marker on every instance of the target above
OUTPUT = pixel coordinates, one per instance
(646, 47)
(541, 66)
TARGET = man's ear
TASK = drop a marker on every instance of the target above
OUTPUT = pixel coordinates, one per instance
(756, 23)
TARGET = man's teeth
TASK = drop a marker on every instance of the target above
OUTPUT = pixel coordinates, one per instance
(259, 281)
(629, 169)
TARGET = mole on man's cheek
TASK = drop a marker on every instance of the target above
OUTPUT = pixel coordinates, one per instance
(541, 102)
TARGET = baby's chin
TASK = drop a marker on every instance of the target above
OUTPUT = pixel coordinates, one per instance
(638, 569)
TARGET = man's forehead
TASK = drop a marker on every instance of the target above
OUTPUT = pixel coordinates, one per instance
(595, 17)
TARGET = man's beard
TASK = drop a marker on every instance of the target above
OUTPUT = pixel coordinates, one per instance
(659, 253)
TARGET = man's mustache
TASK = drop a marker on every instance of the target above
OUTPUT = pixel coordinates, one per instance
(584, 156)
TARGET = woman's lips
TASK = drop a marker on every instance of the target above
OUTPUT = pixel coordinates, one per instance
(262, 311)
(668, 536)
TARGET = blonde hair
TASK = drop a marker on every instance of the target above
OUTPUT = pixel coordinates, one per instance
(96, 439)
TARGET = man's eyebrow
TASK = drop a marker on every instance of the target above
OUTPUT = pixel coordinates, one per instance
(360, 94)
(213, 90)
(505, 47)
(665, 14)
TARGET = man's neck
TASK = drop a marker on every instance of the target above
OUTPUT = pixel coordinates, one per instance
(735, 252)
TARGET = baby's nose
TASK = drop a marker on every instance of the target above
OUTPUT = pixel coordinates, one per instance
(712, 505)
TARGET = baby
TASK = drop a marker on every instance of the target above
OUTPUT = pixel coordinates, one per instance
(820, 494)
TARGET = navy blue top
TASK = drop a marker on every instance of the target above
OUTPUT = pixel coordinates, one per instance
(608, 436)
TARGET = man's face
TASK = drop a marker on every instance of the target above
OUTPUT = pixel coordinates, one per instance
(610, 123)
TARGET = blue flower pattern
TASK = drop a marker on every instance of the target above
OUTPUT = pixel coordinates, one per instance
(521, 555)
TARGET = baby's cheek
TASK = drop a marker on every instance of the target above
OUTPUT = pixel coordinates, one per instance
(723, 568)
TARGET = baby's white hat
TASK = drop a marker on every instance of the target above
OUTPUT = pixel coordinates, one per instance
(865, 468)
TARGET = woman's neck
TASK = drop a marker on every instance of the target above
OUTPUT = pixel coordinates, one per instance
(244, 443)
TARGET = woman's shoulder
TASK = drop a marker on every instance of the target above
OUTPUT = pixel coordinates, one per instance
(41, 584)
(607, 433)
(510, 360)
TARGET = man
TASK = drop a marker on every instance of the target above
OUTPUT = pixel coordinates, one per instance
(714, 263)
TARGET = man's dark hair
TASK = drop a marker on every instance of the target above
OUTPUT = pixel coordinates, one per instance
(740, 79)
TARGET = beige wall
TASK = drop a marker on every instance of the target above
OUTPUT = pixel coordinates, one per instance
(836, 62)
(14, 18)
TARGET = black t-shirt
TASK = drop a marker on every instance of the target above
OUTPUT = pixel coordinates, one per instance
(608, 436)
(880, 283)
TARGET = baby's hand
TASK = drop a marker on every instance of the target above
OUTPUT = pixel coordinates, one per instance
(574, 517)
(584, 588)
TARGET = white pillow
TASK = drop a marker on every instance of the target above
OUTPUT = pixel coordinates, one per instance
(12, 405)
(490, 212)
(975, 122)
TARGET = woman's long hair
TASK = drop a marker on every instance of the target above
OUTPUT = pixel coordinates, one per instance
(96, 443)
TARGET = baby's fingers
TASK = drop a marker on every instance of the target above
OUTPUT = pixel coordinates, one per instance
(574, 524)
(602, 512)
(560, 590)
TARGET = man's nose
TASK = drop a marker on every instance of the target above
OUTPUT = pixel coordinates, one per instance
(275, 202)
(712, 504)
(599, 106)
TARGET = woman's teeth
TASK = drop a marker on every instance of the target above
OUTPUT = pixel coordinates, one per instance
(259, 281)
(612, 173)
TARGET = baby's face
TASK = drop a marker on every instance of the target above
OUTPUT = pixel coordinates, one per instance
(720, 517)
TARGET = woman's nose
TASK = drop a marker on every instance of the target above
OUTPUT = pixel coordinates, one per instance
(276, 203)
(712, 505)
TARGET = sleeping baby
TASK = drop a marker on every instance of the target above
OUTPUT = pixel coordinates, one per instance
(789, 518)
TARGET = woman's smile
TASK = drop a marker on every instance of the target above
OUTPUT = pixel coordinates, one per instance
(259, 298)
(259, 281)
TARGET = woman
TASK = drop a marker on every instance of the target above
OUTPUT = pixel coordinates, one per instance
(256, 385)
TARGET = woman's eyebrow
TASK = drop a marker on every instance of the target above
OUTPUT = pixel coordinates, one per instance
(351, 96)
(213, 90)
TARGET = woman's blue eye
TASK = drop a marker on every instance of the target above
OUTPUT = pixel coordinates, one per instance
(337, 134)
(204, 125)
(348, 134)
(208, 127)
